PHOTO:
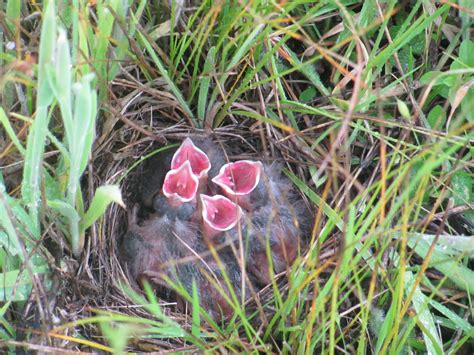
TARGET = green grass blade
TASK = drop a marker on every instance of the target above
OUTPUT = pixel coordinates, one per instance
(36, 137)
(164, 73)
(244, 48)
(10, 132)
(420, 303)
(8, 235)
(209, 66)
(418, 26)
(62, 85)
(13, 14)
(458, 321)
(459, 274)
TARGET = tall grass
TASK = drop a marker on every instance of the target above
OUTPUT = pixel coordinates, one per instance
(378, 96)
(49, 194)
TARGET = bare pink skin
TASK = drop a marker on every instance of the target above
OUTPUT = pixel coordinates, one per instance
(181, 185)
(199, 161)
(238, 180)
(219, 214)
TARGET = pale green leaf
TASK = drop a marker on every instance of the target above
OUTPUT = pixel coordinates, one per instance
(104, 196)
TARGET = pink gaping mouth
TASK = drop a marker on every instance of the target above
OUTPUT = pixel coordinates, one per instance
(181, 184)
(199, 161)
(219, 213)
(239, 178)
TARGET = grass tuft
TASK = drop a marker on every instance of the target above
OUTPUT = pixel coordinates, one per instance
(367, 105)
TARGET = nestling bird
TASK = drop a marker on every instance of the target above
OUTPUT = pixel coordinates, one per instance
(169, 234)
(154, 243)
(238, 180)
(252, 184)
(213, 291)
(276, 228)
(184, 212)
(219, 214)
(182, 188)
(181, 185)
(162, 247)
(157, 166)
(274, 215)
(168, 245)
(188, 152)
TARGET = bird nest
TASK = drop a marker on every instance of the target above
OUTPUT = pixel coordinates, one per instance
(141, 125)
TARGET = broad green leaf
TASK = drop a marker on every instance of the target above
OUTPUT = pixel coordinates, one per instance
(308, 94)
(437, 117)
(454, 245)
(67, 210)
(16, 285)
(403, 109)
(428, 77)
(467, 104)
(13, 15)
(461, 185)
(63, 82)
(466, 50)
(8, 234)
(104, 195)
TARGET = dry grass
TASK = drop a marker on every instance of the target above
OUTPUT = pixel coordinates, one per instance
(345, 97)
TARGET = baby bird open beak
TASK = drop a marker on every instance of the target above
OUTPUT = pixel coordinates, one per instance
(219, 214)
(199, 161)
(180, 185)
(239, 179)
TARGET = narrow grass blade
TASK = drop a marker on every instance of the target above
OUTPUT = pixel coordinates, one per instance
(8, 236)
(420, 303)
(36, 137)
(209, 65)
(196, 320)
(102, 38)
(244, 48)
(164, 73)
(459, 274)
(62, 85)
(10, 132)
(458, 321)
(8, 331)
(416, 28)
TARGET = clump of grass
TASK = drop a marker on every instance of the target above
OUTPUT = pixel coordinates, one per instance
(369, 107)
